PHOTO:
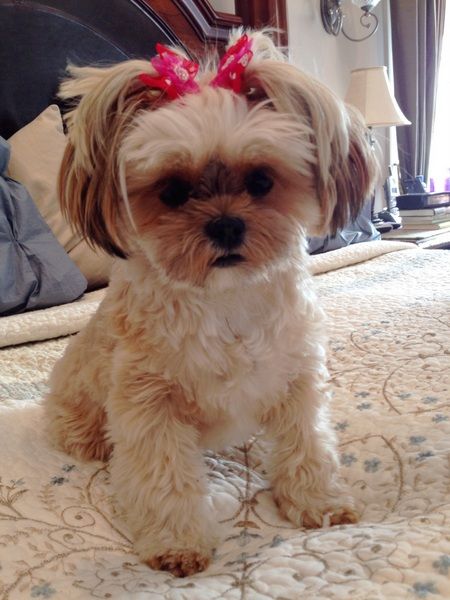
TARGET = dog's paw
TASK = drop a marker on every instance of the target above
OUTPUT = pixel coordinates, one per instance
(316, 517)
(328, 517)
(92, 450)
(180, 563)
(80, 434)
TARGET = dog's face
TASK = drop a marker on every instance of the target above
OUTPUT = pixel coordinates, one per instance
(218, 189)
(215, 188)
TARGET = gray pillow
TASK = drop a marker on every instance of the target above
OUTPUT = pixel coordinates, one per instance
(35, 270)
(360, 230)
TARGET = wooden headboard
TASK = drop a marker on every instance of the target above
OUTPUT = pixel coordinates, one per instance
(198, 24)
(39, 38)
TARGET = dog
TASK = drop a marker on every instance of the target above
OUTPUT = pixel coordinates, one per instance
(204, 183)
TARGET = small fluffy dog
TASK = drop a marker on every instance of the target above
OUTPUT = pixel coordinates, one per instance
(204, 184)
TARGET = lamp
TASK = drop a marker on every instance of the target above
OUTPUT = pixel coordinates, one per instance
(333, 17)
(371, 93)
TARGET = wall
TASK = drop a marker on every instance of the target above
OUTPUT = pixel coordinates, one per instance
(226, 6)
(325, 56)
(331, 59)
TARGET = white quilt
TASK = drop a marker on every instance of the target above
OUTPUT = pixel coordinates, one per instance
(389, 322)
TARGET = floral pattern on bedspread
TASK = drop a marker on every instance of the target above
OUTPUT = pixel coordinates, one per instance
(389, 324)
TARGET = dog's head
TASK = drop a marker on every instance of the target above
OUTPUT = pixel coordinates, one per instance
(215, 184)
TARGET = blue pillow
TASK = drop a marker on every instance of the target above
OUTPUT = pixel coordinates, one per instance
(35, 270)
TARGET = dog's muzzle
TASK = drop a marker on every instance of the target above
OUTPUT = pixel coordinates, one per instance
(227, 233)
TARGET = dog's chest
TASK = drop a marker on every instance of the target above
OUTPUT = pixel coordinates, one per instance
(238, 360)
(232, 357)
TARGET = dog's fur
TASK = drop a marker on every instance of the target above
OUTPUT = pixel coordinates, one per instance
(184, 354)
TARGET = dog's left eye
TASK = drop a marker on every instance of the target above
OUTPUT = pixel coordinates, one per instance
(175, 192)
(258, 182)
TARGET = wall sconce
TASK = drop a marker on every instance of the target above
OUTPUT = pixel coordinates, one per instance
(333, 17)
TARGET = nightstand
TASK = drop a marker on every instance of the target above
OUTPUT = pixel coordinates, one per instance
(439, 239)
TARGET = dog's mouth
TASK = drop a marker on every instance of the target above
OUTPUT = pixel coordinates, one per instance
(228, 260)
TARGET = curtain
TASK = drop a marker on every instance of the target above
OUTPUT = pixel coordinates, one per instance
(417, 32)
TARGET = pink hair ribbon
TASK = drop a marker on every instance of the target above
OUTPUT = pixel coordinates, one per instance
(233, 64)
(176, 74)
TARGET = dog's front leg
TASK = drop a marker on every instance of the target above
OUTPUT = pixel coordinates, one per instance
(304, 463)
(159, 474)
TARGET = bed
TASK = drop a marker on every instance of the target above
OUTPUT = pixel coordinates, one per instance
(388, 311)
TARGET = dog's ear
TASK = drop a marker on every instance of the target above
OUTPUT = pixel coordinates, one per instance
(354, 175)
(89, 179)
(345, 166)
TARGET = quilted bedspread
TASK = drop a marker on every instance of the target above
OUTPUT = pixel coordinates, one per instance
(388, 312)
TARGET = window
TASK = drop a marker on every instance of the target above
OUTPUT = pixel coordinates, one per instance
(439, 170)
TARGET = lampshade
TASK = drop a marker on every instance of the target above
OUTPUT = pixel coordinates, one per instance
(370, 91)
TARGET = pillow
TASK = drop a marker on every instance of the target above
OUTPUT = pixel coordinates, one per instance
(35, 271)
(36, 154)
(360, 230)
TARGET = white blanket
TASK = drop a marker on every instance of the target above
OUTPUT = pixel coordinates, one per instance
(389, 323)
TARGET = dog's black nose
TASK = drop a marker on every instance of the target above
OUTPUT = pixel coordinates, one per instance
(226, 232)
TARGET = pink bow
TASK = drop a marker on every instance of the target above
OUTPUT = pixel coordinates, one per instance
(176, 75)
(233, 64)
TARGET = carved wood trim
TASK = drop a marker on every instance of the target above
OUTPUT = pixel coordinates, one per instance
(260, 13)
(211, 25)
(177, 21)
(198, 25)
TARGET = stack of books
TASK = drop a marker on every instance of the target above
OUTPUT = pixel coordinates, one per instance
(424, 216)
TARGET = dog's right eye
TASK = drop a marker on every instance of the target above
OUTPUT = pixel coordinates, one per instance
(258, 182)
(175, 192)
